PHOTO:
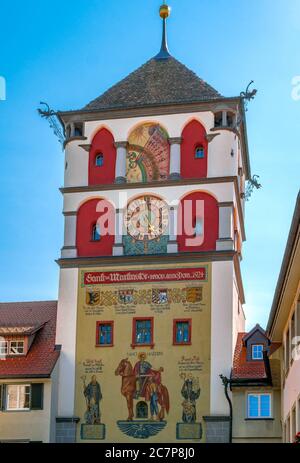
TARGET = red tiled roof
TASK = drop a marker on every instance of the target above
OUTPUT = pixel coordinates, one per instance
(42, 356)
(243, 369)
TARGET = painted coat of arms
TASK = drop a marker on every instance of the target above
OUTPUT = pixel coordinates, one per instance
(194, 295)
(92, 298)
(160, 296)
(126, 296)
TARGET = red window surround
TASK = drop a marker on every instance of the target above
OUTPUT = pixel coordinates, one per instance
(187, 214)
(134, 323)
(182, 320)
(193, 136)
(103, 143)
(88, 215)
(98, 325)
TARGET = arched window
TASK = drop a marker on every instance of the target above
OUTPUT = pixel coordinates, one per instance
(96, 234)
(142, 410)
(99, 162)
(194, 151)
(199, 152)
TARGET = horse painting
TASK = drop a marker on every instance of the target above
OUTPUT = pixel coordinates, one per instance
(153, 386)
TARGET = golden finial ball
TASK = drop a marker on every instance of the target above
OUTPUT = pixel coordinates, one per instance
(164, 11)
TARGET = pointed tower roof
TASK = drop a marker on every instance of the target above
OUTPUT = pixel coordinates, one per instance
(158, 82)
(161, 81)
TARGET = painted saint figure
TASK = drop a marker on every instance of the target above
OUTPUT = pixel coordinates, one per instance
(142, 371)
(190, 392)
(93, 396)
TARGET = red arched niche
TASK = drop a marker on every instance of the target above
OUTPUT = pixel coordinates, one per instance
(193, 137)
(202, 208)
(102, 144)
(95, 211)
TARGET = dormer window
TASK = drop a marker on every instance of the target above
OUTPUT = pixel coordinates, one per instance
(96, 234)
(16, 348)
(199, 152)
(3, 348)
(257, 352)
(99, 160)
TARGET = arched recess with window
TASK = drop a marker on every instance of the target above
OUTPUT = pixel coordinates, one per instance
(198, 222)
(95, 228)
(194, 151)
(102, 158)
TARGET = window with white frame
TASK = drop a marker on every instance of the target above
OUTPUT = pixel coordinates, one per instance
(257, 352)
(259, 406)
(18, 397)
(16, 347)
(3, 348)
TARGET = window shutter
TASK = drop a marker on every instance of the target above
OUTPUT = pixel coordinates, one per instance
(37, 396)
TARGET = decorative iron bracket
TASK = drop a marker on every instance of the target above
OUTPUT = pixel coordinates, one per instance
(55, 124)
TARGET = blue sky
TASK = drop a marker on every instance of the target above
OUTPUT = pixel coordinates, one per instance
(69, 52)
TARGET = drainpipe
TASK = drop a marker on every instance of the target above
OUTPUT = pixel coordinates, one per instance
(226, 382)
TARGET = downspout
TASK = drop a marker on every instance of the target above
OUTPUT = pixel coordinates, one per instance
(227, 382)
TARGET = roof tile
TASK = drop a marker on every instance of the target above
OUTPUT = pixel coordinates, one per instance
(42, 355)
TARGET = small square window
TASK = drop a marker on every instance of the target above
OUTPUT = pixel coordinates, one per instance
(259, 406)
(18, 397)
(257, 352)
(142, 332)
(16, 347)
(105, 334)
(182, 332)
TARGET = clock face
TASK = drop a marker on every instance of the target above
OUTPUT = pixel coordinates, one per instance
(147, 218)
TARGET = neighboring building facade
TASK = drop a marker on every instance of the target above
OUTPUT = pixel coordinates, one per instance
(284, 327)
(151, 295)
(256, 393)
(28, 372)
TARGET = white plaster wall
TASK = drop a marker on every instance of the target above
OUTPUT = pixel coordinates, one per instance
(31, 425)
(221, 191)
(238, 317)
(222, 348)
(173, 123)
(66, 336)
(54, 402)
(291, 391)
(220, 161)
(76, 164)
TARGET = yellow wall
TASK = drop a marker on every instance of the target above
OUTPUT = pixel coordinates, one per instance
(27, 425)
(255, 430)
(176, 361)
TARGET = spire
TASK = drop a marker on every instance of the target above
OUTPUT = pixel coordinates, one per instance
(164, 13)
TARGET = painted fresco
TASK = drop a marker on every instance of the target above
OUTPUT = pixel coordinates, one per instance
(148, 155)
(158, 392)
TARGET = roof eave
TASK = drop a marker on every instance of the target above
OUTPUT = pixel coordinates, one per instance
(65, 115)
